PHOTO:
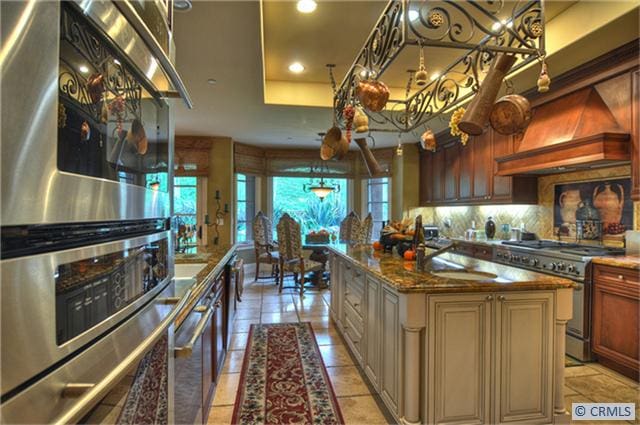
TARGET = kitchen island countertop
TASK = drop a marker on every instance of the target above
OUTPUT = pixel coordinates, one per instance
(215, 258)
(402, 276)
(625, 261)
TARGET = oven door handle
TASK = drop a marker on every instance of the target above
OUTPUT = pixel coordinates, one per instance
(89, 394)
(187, 349)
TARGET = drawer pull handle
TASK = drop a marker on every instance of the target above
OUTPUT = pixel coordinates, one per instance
(187, 350)
(356, 304)
(620, 277)
(489, 298)
(501, 298)
(76, 390)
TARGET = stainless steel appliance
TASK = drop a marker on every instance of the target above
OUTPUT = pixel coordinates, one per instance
(87, 300)
(572, 261)
(86, 124)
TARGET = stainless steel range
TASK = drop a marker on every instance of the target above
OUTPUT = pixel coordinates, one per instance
(571, 261)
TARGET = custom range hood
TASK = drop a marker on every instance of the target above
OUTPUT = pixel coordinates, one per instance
(576, 131)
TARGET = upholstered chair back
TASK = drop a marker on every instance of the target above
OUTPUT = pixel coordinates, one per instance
(289, 238)
(350, 228)
(262, 230)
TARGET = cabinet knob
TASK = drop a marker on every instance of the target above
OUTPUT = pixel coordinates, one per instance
(489, 298)
(501, 298)
(620, 277)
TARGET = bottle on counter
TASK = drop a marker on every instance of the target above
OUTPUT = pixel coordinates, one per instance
(420, 253)
(490, 228)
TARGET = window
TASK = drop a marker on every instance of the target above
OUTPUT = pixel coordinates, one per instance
(305, 207)
(185, 209)
(378, 202)
(245, 206)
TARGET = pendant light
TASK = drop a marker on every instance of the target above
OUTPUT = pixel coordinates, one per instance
(399, 148)
(322, 189)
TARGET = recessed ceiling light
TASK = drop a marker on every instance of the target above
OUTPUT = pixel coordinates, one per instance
(212, 81)
(296, 67)
(306, 6)
(83, 68)
(182, 5)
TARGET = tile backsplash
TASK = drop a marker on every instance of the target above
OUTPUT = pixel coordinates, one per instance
(536, 218)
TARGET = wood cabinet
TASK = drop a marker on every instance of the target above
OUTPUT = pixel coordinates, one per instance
(616, 324)
(635, 136)
(489, 357)
(465, 175)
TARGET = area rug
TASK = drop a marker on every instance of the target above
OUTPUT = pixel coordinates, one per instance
(283, 379)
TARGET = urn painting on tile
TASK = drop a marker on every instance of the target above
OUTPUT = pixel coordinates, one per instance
(611, 199)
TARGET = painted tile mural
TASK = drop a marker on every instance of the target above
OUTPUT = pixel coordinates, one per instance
(536, 218)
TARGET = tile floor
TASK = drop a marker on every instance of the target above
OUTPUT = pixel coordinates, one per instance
(262, 304)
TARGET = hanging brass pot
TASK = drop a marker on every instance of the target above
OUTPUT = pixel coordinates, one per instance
(361, 121)
(334, 144)
(477, 113)
(373, 94)
(428, 140)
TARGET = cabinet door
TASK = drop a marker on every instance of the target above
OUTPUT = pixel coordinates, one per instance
(459, 347)
(372, 327)
(467, 160)
(208, 373)
(524, 357)
(616, 318)
(483, 165)
(218, 349)
(502, 145)
(437, 176)
(635, 135)
(390, 344)
(451, 172)
(335, 283)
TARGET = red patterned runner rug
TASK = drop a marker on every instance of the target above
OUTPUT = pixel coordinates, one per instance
(283, 379)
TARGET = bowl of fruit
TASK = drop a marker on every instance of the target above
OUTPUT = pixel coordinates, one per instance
(321, 236)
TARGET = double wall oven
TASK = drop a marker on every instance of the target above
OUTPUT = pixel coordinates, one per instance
(87, 298)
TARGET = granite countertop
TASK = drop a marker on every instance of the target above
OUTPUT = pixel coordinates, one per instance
(402, 276)
(627, 262)
(216, 258)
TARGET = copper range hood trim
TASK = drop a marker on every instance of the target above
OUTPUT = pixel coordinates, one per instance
(576, 131)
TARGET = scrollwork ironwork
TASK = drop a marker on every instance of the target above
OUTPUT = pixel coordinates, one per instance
(470, 25)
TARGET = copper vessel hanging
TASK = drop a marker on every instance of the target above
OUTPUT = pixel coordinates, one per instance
(334, 144)
(477, 113)
(511, 114)
(373, 94)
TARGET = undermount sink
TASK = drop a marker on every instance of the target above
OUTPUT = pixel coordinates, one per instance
(465, 275)
(188, 270)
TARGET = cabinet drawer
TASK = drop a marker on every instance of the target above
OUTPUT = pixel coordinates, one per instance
(354, 319)
(353, 335)
(354, 296)
(483, 252)
(463, 249)
(616, 275)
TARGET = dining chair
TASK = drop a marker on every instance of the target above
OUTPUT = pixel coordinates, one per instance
(291, 258)
(265, 248)
(349, 228)
(365, 231)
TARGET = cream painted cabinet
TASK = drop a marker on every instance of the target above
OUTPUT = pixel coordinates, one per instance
(490, 358)
(390, 378)
(524, 351)
(372, 331)
(334, 270)
(459, 344)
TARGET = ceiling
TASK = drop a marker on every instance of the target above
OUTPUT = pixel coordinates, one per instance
(232, 43)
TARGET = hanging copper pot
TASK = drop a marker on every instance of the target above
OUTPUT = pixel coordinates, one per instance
(428, 140)
(138, 137)
(95, 87)
(373, 94)
(370, 161)
(511, 114)
(477, 113)
(334, 144)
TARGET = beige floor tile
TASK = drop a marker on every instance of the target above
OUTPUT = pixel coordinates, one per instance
(569, 391)
(248, 313)
(242, 325)
(346, 381)
(579, 371)
(233, 363)
(361, 410)
(327, 336)
(313, 316)
(318, 322)
(603, 389)
(249, 305)
(285, 307)
(275, 299)
(335, 355)
(279, 318)
(315, 310)
(238, 341)
(612, 373)
(220, 415)
(226, 389)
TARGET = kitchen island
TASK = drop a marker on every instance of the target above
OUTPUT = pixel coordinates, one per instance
(463, 341)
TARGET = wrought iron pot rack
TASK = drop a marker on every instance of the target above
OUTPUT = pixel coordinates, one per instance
(454, 24)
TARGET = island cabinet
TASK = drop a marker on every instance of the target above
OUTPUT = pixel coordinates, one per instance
(616, 321)
(461, 175)
(456, 358)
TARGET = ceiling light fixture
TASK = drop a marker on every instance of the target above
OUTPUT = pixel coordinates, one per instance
(296, 67)
(182, 5)
(497, 25)
(306, 6)
(212, 81)
(83, 68)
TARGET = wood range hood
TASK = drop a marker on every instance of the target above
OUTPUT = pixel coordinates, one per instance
(576, 131)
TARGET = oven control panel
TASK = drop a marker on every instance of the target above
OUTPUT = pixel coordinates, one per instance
(541, 262)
